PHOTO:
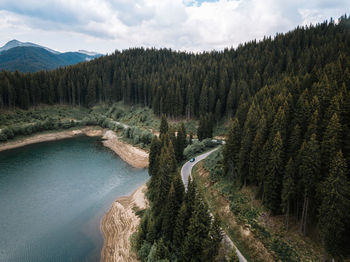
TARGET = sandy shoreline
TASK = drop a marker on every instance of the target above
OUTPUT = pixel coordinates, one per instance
(134, 156)
(38, 138)
(119, 224)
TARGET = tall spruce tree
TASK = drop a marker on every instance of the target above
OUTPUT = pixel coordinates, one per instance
(288, 189)
(334, 212)
(275, 171)
(309, 168)
(163, 126)
(232, 148)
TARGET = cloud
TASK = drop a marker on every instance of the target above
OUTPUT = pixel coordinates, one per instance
(194, 25)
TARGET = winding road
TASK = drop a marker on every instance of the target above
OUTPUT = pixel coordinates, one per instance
(186, 171)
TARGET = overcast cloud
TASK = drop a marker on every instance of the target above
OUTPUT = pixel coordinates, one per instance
(106, 25)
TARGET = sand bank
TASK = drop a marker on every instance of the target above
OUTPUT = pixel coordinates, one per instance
(37, 138)
(119, 224)
(134, 156)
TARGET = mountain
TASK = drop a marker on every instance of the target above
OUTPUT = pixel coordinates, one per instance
(89, 53)
(29, 57)
(16, 43)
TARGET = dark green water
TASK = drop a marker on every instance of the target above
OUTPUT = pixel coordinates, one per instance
(53, 196)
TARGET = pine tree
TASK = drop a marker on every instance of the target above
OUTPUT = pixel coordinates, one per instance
(198, 232)
(169, 213)
(180, 143)
(167, 167)
(232, 148)
(275, 171)
(288, 189)
(205, 128)
(154, 156)
(163, 126)
(334, 211)
(180, 229)
(309, 168)
(190, 141)
(213, 242)
(331, 142)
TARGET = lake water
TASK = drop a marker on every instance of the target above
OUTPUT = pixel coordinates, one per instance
(53, 196)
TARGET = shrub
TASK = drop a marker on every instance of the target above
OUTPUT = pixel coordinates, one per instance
(144, 250)
(198, 147)
(3, 137)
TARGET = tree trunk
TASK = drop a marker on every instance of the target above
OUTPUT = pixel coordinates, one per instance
(303, 215)
(287, 215)
(306, 213)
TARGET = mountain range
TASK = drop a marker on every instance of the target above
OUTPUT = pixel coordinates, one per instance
(30, 57)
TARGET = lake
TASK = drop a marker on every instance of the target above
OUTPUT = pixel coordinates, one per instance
(53, 196)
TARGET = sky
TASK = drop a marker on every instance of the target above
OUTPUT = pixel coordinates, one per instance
(188, 25)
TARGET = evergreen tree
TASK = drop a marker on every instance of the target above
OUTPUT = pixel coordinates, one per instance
(180, 229)
(163, 126)
(213, 242)
(190, 139)
(205, 128)
(170, 211)
(198, 232)
(331, 142)
(180, 143)
(275, 171)
(232, 148)
(288, 189)
(309, 159)
(334, 211)
(154, 156)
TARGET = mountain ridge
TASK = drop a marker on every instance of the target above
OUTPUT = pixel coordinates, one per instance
(30, 57)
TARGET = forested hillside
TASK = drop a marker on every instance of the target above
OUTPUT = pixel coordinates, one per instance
(179, 83)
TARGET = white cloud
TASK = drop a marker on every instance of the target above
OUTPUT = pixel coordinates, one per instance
(106, 25)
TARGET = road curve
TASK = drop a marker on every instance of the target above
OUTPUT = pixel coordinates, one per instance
(186, 172)
(187, 167)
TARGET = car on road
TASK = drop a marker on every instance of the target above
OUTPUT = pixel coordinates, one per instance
(192, 160)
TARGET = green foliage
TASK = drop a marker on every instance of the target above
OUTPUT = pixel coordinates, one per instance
(214, 163)
(163, 126)
(198, 147)
(144, 251)
(205, 128)
(232, 148)
(178, 222)
(284, 251)
(275, 170)
(334, 209)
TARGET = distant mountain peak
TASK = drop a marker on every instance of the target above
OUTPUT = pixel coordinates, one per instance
(15, 43)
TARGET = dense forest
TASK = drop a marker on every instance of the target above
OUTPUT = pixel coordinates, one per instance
(288, 96)
(178, 225)
(187, 84)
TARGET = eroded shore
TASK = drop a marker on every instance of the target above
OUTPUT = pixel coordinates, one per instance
(45, 137)
(119, 224)
(134, 156)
